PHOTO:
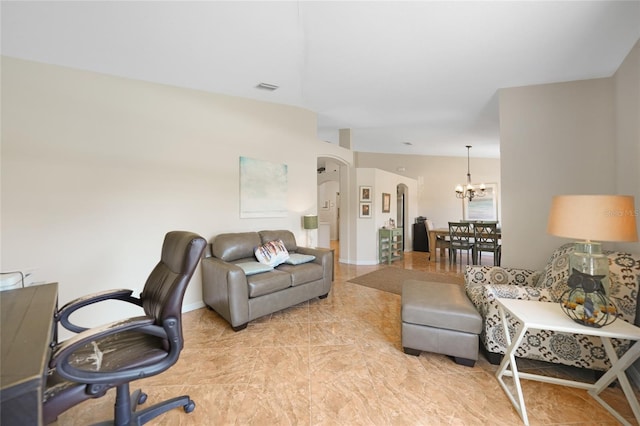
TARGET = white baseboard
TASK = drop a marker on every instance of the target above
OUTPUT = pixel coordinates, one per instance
(360, 263)
(193, 306)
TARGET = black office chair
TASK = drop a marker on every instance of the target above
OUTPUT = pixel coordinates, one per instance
(97, 359)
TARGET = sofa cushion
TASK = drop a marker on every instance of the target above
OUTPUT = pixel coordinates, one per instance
(267, 282)
(302, 274)
(251, 268)
(234, 246)
(298, 259)
(287, 238)
(272, 253)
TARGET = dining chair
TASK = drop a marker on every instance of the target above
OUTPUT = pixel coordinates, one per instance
(460, 235)
(442, 243)
(486, 239)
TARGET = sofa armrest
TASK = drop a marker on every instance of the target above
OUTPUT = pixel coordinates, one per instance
(483, 275)
(225, 289)
(324, 257)
(484, 296)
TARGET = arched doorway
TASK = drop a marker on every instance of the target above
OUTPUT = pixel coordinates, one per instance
(402, 210)
(332, 203)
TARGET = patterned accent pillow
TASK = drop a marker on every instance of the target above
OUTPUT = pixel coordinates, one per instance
(272, 253)
(556, 272)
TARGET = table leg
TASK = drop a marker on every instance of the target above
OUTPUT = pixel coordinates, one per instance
(432, 246)
(617, 370)
(510, 360)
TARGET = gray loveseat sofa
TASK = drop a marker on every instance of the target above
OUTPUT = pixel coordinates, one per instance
(241, 294)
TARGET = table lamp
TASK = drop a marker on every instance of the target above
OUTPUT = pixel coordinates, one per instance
(309, 222)
(591, 219)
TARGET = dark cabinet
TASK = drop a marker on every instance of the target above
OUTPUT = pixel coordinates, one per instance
(420, 237)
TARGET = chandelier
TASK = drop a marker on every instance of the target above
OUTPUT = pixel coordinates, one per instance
(469, 191)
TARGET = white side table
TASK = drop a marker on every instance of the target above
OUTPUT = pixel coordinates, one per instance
(549, 316)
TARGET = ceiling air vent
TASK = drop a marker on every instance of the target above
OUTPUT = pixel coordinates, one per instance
(267, 86)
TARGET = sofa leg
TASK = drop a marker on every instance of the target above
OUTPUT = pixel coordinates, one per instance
(324, 296)
(240, 327)
(493, 358)
(464, 361)
(410, 351)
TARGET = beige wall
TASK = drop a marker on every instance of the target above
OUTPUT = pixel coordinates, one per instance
(555, 139)
(627, 114)
(96, 169)
(569, 138)
(437, 178)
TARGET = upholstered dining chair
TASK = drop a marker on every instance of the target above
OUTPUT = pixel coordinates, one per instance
(441, 244)
(460, 235)
(98, 359)
(485, 236)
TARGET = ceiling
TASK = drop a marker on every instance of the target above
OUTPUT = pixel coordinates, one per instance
(419, 77)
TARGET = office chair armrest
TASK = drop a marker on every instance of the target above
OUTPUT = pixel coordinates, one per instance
(63, 313)
(60, 359)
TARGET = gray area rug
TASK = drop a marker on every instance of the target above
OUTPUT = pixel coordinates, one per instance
(390, 279)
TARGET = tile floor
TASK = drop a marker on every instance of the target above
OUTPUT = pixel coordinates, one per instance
(339, 361)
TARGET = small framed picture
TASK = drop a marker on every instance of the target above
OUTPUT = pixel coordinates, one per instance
(386, 202)
(365, 209)
(365, 193)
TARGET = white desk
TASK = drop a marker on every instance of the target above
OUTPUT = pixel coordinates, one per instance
(549, 316)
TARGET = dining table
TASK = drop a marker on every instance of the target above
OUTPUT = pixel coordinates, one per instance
(442, 233)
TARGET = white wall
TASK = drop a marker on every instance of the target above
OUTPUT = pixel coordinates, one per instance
(328, 205)
(437, 178)
(96, 169)
(380, 182)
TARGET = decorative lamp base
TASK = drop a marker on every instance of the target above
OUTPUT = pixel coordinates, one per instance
(591, 309)
(588, 258)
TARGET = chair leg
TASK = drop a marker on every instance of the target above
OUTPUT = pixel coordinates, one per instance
(126, 404)
(154, 411)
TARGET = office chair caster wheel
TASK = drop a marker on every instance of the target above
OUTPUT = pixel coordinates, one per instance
(189, 407)
(142, 398)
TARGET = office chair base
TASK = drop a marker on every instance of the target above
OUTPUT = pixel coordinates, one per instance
(125, 413)
(149, 413)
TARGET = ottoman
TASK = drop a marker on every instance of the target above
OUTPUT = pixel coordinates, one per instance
(440, 318)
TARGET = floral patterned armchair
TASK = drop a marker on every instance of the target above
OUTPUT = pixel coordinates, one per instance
(486, 283)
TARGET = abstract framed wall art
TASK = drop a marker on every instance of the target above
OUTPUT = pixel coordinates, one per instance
(263, 188)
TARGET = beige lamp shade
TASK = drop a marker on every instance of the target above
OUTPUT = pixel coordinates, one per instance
(593, 217)
(310, 222)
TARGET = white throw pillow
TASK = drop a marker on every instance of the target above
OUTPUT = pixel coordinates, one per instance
(272, 253)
